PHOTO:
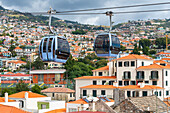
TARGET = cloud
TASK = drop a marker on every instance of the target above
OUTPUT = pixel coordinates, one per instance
(64, 5)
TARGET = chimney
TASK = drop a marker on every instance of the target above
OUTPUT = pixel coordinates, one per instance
(26, 95)
(6, 97)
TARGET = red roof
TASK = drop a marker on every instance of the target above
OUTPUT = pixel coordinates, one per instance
(88, 112)
(22, 95)
(17, 74)
(133, 56)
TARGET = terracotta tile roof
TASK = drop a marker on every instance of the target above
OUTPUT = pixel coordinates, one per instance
(57, 111)
(17, 74)
(133, 56)
(58, 89)
(9, 73)
(80, 101)
(22, 95)
(154, 66)
(102, 68)
(162, 53)
(17, 47)
(160, 61)
(3, 100)
(100, 86)
(87, 112)
(165, 58)
(138, 87)
(11, 109)
(96, 77)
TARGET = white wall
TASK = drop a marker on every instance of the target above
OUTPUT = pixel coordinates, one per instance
(15, 104)
(31, 103)
(76, 106)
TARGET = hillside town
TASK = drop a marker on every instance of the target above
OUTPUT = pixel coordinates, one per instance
(137, 80)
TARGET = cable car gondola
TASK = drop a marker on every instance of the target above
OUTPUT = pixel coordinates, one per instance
(107, 45)
(53, 47)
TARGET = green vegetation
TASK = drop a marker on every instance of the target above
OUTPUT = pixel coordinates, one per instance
(79, 32)
(83, 67)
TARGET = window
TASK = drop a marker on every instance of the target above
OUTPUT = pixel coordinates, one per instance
(154, 74)
(103, 92)
(127, 75)
(166, 83)
(166, 73)
(133, 82)
(21, 103)
(132, 63)
(140, 75)
(45, 45)
(154, 82)
(43, 106)
(71, 95)
(103, 82)
(126, 63)
(120, 64)
(128, 93)
(53, 94)
(111, 82)
(50, 44)
(147, 82)
(100, 73)
(156, 93)
(84, 92)
(160, 94)
(134, 94)
(94, 82)
(115, 73)
(120, 83)
(167, 93)
(115, 64)
(142, 63)
(94, 93)
(145, 93)
(126, 83)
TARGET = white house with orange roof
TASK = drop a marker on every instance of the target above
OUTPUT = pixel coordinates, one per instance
(92, 80)
(155, 75)
(34, 102)
(14, 65)
(18, 51)
(124, 68)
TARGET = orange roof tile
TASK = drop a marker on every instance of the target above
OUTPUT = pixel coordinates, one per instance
(154, 66)
(80, 101)
(58, 89)
(3, 100)
(96, 77)
(102, 68)
(11, 109)
(167, 103)
(133, 56)
(160, 61)
(9, 73)
(57, 111)
(22, 95)
(17, 47)
(100, 86)
(165, 58)
(138, 87)
(162, 53)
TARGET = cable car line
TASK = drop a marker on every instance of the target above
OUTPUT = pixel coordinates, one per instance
(118, 7)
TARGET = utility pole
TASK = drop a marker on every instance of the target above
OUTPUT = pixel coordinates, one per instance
(166, 42)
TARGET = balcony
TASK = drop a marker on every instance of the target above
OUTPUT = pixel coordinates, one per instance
(154, 77)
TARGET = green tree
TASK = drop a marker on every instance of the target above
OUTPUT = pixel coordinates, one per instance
(145, 50)
(136, 50)
(144, 43)
(8, 90)
(36, 89)
(122, 48)
(21, 86)
(38, 64)
(152, 52)
(101, 63)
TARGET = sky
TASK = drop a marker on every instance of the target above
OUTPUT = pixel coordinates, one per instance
(64, 5)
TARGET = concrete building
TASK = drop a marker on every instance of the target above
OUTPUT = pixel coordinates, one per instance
(50, 76)
(59, 93)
